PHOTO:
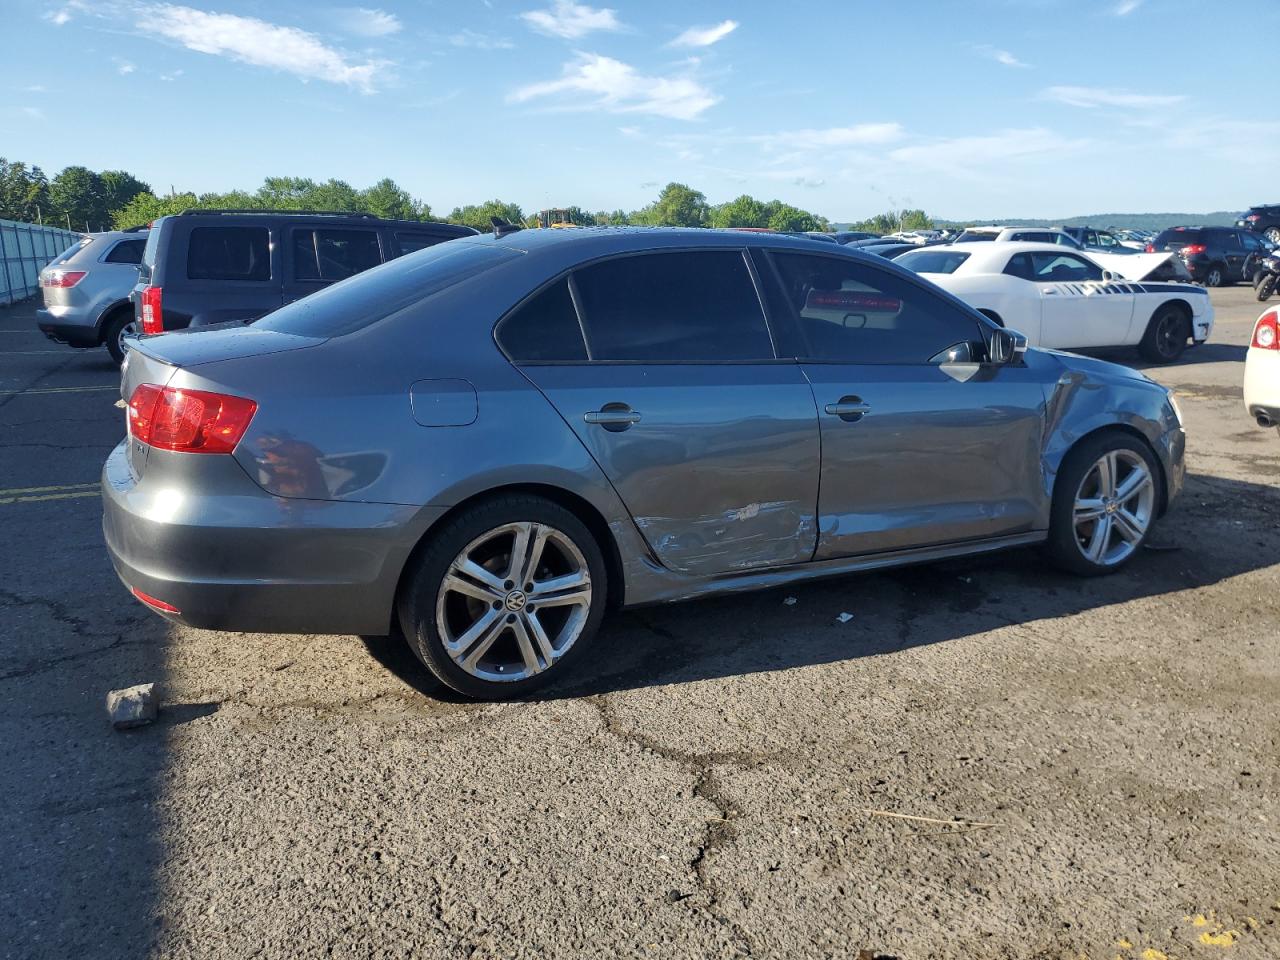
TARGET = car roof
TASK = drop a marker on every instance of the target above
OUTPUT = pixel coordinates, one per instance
(643, 238)
(197, 215)
(984, 254)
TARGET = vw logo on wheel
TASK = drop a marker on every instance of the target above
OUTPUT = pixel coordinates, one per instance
(516, 601)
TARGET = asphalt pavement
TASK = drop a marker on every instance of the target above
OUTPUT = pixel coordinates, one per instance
(990, 759)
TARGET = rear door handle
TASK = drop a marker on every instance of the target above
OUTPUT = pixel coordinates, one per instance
(849, 409)
(613, 416)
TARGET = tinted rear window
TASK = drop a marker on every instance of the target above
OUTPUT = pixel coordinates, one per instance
(696, 307)
(970, 237)
(333, 254)
(413, 242)
(127, 251)
(71, 251)
(229, 253)
(1178, 237)
(371, 296)
(544, 330)
(932, 261)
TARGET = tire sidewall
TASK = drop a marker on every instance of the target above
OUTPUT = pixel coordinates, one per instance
(1208, 277)
(1062, 546)
(1150, 346)
(417, 608)
(111, 334)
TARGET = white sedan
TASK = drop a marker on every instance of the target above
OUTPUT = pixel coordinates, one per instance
(1262, 371)
(1065, 299)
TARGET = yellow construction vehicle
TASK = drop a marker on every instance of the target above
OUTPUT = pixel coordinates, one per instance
(554, 219)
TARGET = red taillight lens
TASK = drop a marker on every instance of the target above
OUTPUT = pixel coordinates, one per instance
(1191, 249)
(152, 317)
(151, 601)
(1252, 218)
(1266, 335)
(62, 278)
(188, 421)
(1151, 248)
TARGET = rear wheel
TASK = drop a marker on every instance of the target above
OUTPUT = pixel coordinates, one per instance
(506, 594)
(1216, 276)
(1272, 234)
(118, 325)
(1265, 286)
(1166, 336)
(1104, 504)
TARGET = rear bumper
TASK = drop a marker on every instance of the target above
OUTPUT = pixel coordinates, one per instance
(229, 556)
(62, 329)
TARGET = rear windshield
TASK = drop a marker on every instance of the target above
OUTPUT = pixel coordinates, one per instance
(932, 261)
(1178, 236)
(970, 236)
(376, 294)
(71, 251)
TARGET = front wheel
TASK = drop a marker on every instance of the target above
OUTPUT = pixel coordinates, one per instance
(1272, 234)
(1265, 287)
(1104, 504)
(1166, 336)
(504, 597)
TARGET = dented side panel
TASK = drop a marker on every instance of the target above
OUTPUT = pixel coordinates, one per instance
(720, 470)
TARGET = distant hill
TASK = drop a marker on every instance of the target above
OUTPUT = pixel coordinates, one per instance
(1132, 221)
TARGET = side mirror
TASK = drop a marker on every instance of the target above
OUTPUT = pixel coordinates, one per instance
(1006, 346)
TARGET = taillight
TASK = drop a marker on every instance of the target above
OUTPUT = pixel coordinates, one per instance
(1252, 218)
(151, 601)
(62, 278)
(152, 317)
(1191, 249)
(1266, 335)
(188, 421)
(1150, 248)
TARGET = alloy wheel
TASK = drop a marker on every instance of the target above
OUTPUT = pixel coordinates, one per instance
(1213, 278)
(513, 601)
(127, 330)
(1114, 507)
(1169, 335)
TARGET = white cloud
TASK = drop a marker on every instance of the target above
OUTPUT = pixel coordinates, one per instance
(257, 42)
(858, 135)
(705, 36)
(58, 17)
(1126, 7)
(169, 77)
(602, 82)
(366, 22)
(959, 155)
(999, 56)
(571, 20)
(124, 68)
(1090, 97)
(479, 41)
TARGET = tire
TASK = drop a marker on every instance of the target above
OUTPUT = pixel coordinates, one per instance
(1272, 234)
(1166, 336)
(481, 631)
(1215, 276)
(117, 324)
(1265, 287)
(1080, 503)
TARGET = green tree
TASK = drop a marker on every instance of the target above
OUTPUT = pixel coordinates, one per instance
(477, 215)
(76, 194)
(784, 217)
(118, 188)
(894, 220)
(23, 192)
(677, 205)
(146, 207)
(743, 211)
(386, 199)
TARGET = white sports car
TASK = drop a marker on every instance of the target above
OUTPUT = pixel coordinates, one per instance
(1065, 299)
(1262, 371)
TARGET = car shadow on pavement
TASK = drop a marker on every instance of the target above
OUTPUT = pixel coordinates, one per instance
(1202, 541)
(1204, 353)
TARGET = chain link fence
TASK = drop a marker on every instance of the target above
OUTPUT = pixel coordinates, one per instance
(24, 249)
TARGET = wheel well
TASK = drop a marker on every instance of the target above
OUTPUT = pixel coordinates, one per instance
(1162, 492)
(110, 312)
(992, 316)
(578, 506)
(1183, 307)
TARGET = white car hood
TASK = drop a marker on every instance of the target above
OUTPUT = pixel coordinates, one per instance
(1131, 266)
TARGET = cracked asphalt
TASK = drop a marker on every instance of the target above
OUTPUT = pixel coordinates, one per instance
(1095, 764)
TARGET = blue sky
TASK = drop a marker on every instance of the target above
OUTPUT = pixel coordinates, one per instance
(985, 108)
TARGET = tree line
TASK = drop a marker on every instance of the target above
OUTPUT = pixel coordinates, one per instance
(88, 200)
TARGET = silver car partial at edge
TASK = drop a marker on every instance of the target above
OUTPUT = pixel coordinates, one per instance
(86, 291)
(491, 441)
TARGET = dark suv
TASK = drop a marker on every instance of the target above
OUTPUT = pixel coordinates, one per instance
(1263, 219)
(1213, 256)
(213, 266)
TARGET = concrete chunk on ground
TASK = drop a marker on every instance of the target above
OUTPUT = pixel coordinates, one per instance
(133, 706)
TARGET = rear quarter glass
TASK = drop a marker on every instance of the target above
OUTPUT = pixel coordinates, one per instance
(366, 298)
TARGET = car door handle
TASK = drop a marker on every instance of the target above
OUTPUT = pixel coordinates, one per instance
(612, 416)
(849, 409)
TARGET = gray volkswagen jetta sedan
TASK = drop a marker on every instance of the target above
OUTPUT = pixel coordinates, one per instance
(490, 442)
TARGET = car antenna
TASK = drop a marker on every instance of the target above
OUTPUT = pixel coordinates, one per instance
(502, 227)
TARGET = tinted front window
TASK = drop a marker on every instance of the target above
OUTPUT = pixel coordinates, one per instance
(854, 313)
(664, 307)
(333, 254)
(376, 294)
(932, 261)
(545, 329)
(412, 242)
(229, 253)
(1052, 268)
(127, 251)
